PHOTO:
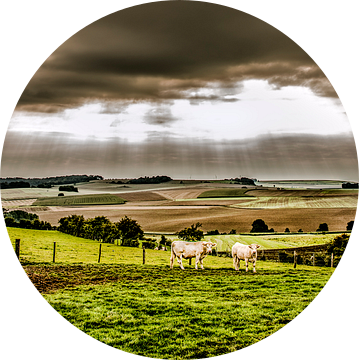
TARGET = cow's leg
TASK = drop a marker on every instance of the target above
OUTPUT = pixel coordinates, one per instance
(201, 261)
(246, 260)
(254, 265)
(197, 261)
(172, 260)
(179, 259)
(235, 262)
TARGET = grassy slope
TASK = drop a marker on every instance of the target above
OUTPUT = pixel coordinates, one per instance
(37, 246)
(152, 311)
(155, 312)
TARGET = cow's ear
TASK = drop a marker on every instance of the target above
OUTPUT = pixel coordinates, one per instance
(205, 242)
(214, 244)
(258, 246)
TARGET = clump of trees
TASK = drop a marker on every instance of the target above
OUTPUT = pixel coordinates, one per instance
(323, 227)
(259, 226)
(68, 188)
(150, 180)
(192, 233)
(126, 232)
(350, 225)
(23, 219)
(337, 247)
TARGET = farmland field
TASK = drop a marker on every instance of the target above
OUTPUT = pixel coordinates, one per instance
(145, 309)
(300, 202)
(172, 206)
(100, 199)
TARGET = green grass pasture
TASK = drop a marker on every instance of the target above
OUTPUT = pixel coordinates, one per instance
(37, 247)
(173, 314)
(156, 312)
(75, 200)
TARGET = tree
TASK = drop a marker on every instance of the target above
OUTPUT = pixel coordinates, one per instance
(337, 247)
(259, 226)
(233, 232)
(323, 227)
(192, 233)
(213, 232)
(287, 230)
(129, 232)
(350, 225)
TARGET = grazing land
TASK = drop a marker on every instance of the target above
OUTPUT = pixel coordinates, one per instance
(156, 312)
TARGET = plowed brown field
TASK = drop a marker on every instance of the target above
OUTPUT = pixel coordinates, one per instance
(174, 218)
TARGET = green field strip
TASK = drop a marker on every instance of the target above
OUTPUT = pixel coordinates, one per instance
(98, 199)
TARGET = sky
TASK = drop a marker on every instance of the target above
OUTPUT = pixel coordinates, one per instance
(184, 89)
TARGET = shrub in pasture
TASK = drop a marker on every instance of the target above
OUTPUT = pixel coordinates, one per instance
(259, 226)
(192, 233)
(350, 225)
(213, 232)
(149, 243)
(287, 230)
(323, 227)
(337, 246)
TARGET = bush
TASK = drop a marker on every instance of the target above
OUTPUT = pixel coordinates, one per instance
(337, 247)
(350, 225)
(149, 243)
(259, 226)
(323, 227)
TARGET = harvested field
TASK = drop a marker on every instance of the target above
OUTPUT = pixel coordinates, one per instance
(184, 193)
(301, 202)
(104, 199)
(160, 219)
(142, 196)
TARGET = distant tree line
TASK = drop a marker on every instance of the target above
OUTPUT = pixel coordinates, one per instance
(25, 220)
(68, 188)
(14, 185)
(150, 180)
(242, 181)
(348, 185)
(18, 182)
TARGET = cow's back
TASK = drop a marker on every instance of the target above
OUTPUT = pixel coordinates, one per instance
(240, 250)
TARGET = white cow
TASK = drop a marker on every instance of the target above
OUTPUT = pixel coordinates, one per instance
(246, 253)
(188, 250)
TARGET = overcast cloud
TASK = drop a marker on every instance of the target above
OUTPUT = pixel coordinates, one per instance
(185, 88)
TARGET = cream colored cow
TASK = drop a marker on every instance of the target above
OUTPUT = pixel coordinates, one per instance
(187, 250)
(246, 253)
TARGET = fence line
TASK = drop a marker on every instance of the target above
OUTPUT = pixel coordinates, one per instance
(314, 255)
(295, 255)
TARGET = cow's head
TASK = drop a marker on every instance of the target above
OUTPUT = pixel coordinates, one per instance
(254, 248)
(208, 246)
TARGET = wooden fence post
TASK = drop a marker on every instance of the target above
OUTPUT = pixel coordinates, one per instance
(332, 260)
(99, 253)
(17, 248)
(143, 255)
(295, 259)
(54, 252)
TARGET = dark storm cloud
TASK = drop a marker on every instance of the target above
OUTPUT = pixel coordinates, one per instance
(294, 156)
(161, 50)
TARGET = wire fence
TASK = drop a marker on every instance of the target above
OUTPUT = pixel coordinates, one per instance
(315, 255)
